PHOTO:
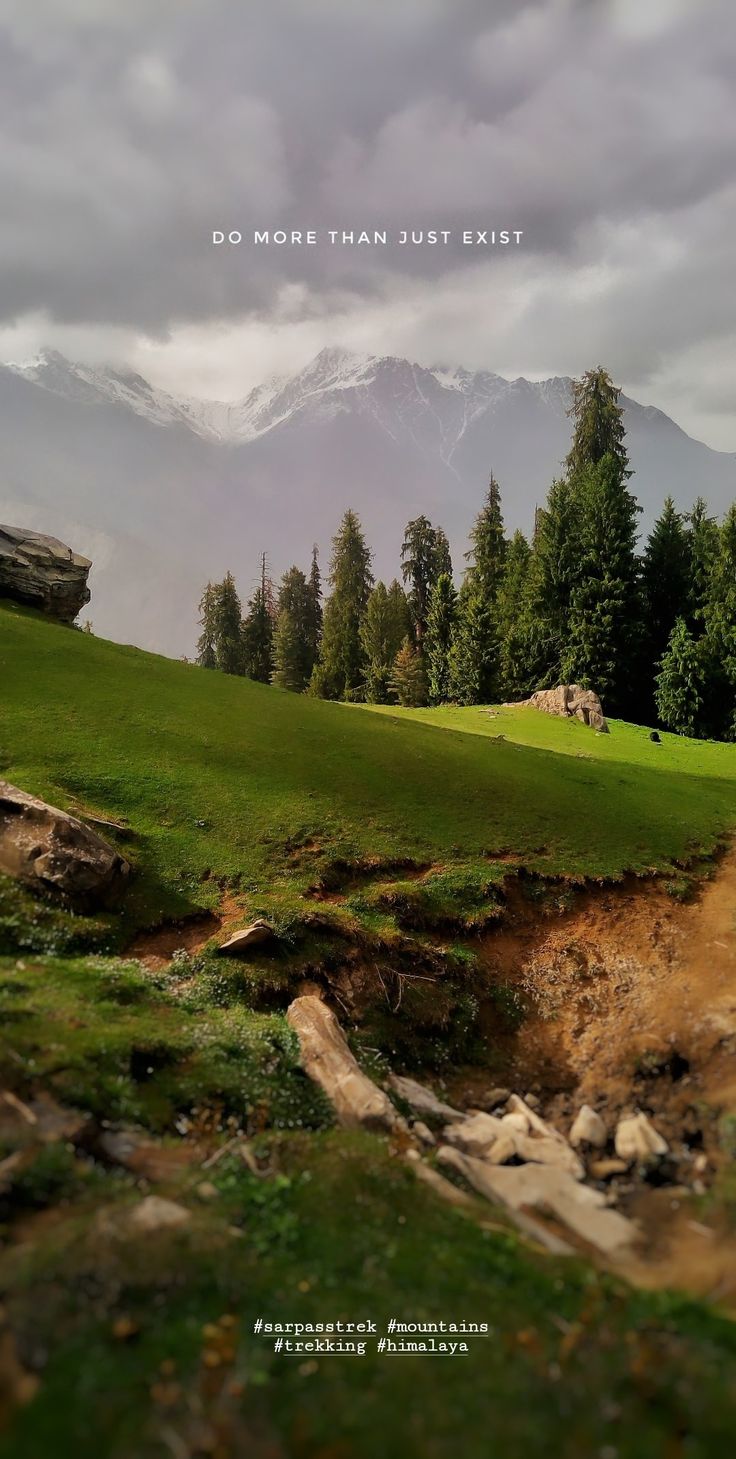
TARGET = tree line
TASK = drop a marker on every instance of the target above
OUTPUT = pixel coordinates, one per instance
(653, 632)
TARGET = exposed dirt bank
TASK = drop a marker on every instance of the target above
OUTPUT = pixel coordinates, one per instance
(629, 1002)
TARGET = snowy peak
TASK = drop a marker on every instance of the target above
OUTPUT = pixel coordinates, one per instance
(431, 410)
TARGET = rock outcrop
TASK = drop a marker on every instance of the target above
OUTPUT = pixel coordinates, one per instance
(52, 851)
(569, 701)
(43, 572)
(327, 1059)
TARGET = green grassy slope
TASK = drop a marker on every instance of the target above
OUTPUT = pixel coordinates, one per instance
(290, 791)
(284, 785)
(627, 744)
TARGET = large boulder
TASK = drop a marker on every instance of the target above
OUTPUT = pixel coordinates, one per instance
(43, 573)
(569, 701)
(52, 851)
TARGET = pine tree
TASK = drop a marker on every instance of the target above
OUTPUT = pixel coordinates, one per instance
(487, 551)
(206, 643)
(408, 681)
(513, 669)
(599, 424)
(719, 639)
(288, 654)
(425, 553)
(474, 654)
(384, 626)
(666, 576)
(704, 540)
(605, 609)
(679, 683)
(228, 629)
(292, 637)
(257, 630)
(314, 609)
(340, 670)
(438, 640)
(542, 630)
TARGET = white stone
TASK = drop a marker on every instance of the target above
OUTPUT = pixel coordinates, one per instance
(588, 1129)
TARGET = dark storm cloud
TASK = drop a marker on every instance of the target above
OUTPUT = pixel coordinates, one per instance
(130, 131)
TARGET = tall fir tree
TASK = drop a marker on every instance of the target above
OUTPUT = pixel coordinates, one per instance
(679, 683)
(705, 542)
(206, 643)
(719, 636)
(598, 429)
(475, 653)
(665, 576)
(257, 631)
(425, 553)
(228, 627)
(513, 669)
(605, 609)
(438, 639)
(384, 626)
(292, 634)
(542, 630)
(473, 660)
(487, 552)
(340, 670)
(314, 608)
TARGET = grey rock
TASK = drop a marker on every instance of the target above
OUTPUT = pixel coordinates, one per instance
(328, 1060)
(247, 937)
(52, 851)
(422, 1099)
(42, 572)
(580, 1208)
(569, 701)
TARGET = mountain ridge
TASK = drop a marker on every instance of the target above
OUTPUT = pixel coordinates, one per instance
(165, 493)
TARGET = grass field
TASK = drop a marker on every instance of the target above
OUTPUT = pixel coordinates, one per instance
(222, 777)
(228, 784)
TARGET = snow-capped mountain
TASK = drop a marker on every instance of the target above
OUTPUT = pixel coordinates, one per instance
(165, 493)
(400, 396)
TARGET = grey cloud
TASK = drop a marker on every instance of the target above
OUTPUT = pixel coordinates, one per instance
(130, 131)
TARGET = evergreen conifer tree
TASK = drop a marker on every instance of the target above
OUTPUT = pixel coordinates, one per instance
(384, 626)
(228, 629)
(257, 631)
(679, 683)
(438, 639)
(666, 568)
(408, 681)
(473, 658)
(340, 670)
(705, 541)
(513, 668)
(314, 609)
(598, 424)
(425, 553)
(292, 635)
(206, 644)
(605, 609)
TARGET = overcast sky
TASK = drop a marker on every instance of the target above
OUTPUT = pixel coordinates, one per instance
(604, 129)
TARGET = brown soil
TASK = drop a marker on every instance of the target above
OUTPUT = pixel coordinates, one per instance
(629, 999)
(156, 947)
